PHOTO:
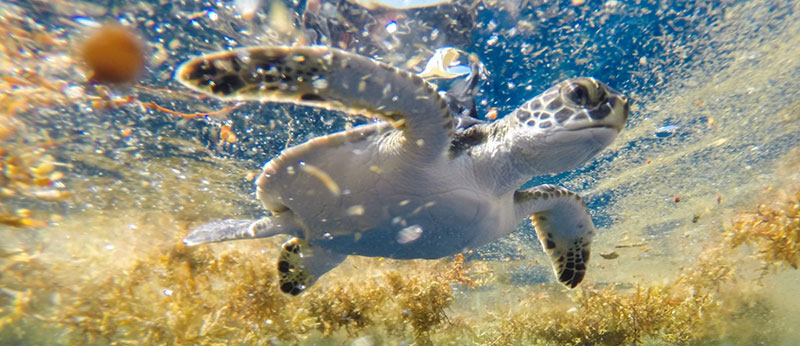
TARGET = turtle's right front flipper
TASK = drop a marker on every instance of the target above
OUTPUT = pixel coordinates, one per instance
(224, 230)
(332, 79)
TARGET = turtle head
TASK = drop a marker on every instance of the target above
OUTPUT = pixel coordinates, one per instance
(567, 125)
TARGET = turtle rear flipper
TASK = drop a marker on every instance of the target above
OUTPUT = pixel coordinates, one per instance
(332, 79)
(564, 228)
(224, 230)
(300, 265)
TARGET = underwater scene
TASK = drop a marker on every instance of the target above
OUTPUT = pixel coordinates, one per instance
(133, 139)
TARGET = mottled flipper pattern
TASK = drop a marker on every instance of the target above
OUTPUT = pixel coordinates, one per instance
(332, 79)
(563, 226)
(300, 265)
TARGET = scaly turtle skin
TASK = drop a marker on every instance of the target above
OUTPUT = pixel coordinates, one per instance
(413, 185)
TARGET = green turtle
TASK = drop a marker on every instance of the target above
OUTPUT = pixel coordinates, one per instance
(413, 185)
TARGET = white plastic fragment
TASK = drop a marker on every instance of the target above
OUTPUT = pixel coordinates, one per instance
(409, 234)
(444, 64)
(399, 4)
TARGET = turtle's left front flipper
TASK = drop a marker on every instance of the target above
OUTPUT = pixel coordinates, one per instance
(564, 228)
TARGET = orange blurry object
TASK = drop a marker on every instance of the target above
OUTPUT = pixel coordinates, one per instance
(491, 114)
(114, 54)
(226, 135)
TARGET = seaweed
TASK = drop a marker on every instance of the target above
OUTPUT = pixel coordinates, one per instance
(182, 295)
(198, 295)
(773, 229)
(614, 316)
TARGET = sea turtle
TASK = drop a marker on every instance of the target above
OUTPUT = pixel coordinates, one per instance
(413, 185)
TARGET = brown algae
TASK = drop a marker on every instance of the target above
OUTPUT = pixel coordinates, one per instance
(772, 229)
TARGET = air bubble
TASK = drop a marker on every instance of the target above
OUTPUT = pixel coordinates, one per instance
(391, 27)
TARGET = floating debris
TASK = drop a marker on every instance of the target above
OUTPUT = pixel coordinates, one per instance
(609, 255)
(19, 221)
(491, 114)
(114, 54)
(226, 135)
(409, 234)
(355, 210)
(625, 246)
(444, 64)
(247, 8)
(323, 177)
(86, 21)
(223, 111)
(399, 4)
(280, 19)
(665, 131)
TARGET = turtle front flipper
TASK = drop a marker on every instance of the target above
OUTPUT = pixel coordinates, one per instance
(300, 265)
(224, 230)
(332, 79)
(564, 228)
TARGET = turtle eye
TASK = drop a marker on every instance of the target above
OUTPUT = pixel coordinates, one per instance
(585, 93)
(578, 94)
